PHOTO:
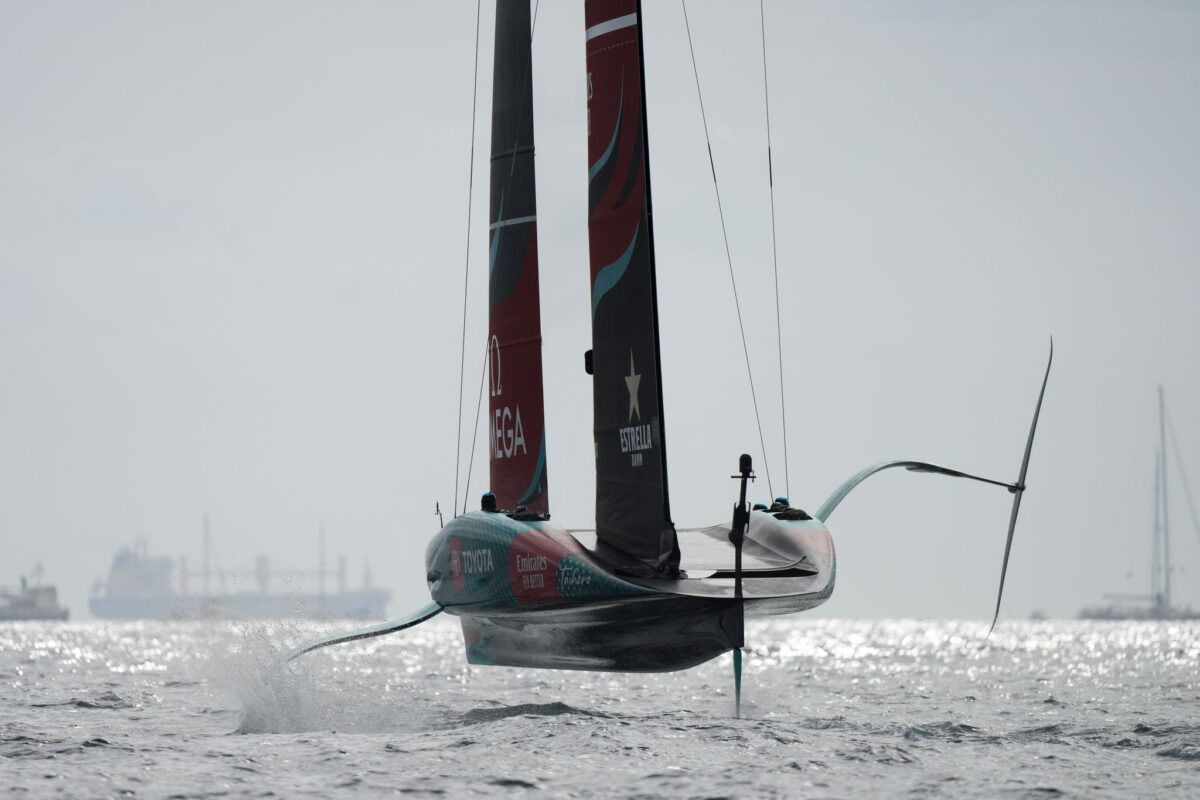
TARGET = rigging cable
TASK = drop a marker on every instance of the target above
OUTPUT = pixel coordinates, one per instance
(728, 255)
(475, 436)
(462, 355)
(1187, 490)
(774, 253)
(507, 185)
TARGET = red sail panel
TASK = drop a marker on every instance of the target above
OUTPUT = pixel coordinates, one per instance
(517, 440)
(633, 523)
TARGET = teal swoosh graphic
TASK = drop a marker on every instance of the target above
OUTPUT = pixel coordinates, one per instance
(496, 239)
(607, 277)
(612, 143)
(537, 475)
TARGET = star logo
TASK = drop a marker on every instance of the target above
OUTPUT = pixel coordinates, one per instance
(632, 380)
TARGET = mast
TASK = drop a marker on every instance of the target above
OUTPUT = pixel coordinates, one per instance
(633, 519)
(1156, 569)
(516, 418)
(662, 434)
(1166, 527)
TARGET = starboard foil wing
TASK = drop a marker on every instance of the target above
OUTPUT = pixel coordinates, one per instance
(517, 441)
(633, 519)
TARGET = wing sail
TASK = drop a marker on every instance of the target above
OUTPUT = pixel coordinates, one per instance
(633, 519)
(516, 418)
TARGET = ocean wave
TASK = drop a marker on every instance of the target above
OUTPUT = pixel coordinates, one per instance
(480, 715)
(1184, 751)
(104, 700)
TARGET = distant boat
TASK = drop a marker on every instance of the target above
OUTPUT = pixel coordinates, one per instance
(140, 586)
(33, 601)
(1157, 604)
(637, 594)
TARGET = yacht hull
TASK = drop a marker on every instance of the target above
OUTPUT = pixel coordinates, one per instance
(531, 594)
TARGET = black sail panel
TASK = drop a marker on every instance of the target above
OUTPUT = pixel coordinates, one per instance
(517, 440)
(633, 521)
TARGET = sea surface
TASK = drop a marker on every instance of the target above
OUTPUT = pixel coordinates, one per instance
(832, 709)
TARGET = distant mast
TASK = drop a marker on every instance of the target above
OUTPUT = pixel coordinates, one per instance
(633, 518)
(1166, 527)
(517, 441)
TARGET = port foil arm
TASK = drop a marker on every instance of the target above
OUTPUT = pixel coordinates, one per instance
(838, 496)
(391, 626)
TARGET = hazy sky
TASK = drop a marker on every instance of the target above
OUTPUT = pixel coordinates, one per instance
(232, 239)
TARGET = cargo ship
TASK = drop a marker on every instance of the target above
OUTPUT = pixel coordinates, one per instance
(142, 586)
(33, 601)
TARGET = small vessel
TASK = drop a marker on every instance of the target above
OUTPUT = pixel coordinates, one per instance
(1156, 605)
(637, 593)
(141, 586)
(32, 601)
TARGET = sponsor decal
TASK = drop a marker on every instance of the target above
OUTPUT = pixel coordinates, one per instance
(494, 366)
(634, 438)
(507, 433)
(533, 569)
(533, 561)
(468, 562)
(632, 382)
(573, 578)
(455, 563)
(478, 561)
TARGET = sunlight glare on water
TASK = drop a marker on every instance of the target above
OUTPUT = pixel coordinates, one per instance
(832, 708)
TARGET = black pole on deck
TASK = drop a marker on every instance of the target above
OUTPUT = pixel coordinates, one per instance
(737, 535)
